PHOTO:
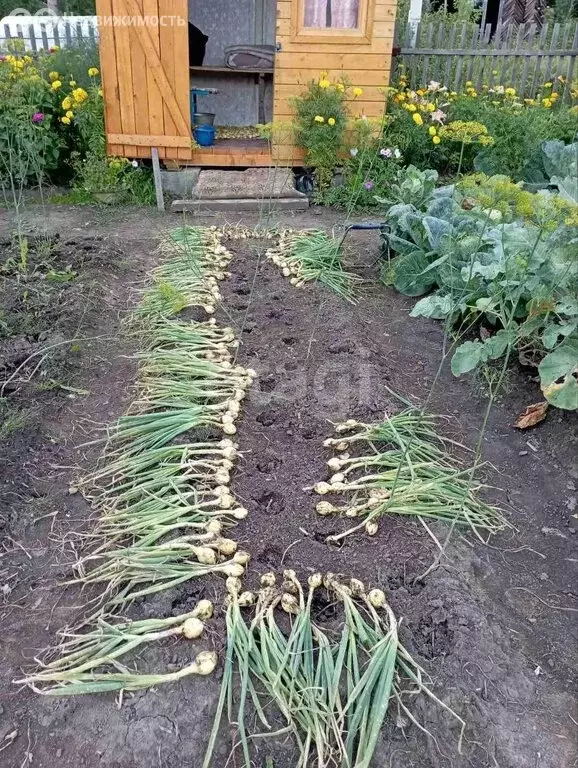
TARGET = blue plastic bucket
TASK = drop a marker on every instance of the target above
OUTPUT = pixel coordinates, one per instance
(204, 135)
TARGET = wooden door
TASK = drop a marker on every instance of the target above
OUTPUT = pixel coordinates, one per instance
(144, 59)
(358, 50)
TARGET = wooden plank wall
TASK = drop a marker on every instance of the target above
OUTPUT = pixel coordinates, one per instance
(366, 65)
(145, 80)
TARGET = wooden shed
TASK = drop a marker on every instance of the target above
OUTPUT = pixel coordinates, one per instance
(147, 75)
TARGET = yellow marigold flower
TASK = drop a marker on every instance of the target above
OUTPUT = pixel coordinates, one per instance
(431, 107)
(331, 121)
(436, 139)
(92, 72)
(421, 92)
(411, 107)
(485, 87)
(19, 64)
(324, 83)
(99, 91)
(56, 84)
(79, 95)
(70, 114)
(72, 83)
(529, 101)
(510, 91)
(432, 130)
(554, 95)
(357, 92)
(401, 96)
(66, 103)
(547, 85)
(319, 119)
(65, 120)
(27, 59)
(469, 84)
(417, 118)
(53, 75)
(453, 93)
(547, 103)
(339, 87)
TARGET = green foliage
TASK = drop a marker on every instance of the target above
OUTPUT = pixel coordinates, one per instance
(320, 124)
(499, 257)
(128, 182)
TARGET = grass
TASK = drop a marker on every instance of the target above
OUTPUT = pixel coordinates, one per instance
(14, 420)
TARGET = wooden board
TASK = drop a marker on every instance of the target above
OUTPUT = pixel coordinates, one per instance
(364, 64)
(145, 77)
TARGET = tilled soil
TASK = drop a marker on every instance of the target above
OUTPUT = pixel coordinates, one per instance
(492, 625)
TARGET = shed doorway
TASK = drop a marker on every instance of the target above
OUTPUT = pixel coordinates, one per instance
(231, 67)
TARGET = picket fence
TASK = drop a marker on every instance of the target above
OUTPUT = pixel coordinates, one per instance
(523, 56)
(44, 32)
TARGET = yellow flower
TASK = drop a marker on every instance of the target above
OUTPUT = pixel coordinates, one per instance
(547, 85)
(529, 101)
(79, 95)
(510, 91)
(331, 121)
(554, 95)
(56, 85)
(92, 71)
(357, 92)
(436, 139)
(65, 120)
(100, 91)
(324, 83)
(417, 118)
(431, 130)
(411, 107)
(400, 96)
(339, 87)
(469, 84)
(319, 119)
(27, 59)
(72, 83)
(547, 103)
(70, 114)
(53, 75)
(19, 64)
(66, 103)
(431, 107)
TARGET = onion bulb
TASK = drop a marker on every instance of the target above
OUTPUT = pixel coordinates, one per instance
(241, 557)
(214, 526)
(239, 513)
(233, 585)
(268, 579)
(289, 603)
(205, 662)
(246, 598)
(357, 587)
(322, 488)
(233, 569)
(203, 610)
(229, 429)
(371, 528)
(315, 580)
(337, 479)
(226, 546)
(226, 501)
(192, 628)
(334, 464)
(324, 508)
(205, 555)
(377, 598)
(222, 477)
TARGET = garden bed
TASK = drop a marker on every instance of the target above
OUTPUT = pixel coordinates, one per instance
(497, 654)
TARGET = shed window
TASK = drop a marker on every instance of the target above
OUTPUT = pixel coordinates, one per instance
(332, 14)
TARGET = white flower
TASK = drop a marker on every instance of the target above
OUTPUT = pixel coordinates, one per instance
(385, 152)
(134, 163)
(438, 116)
(396, 153)
(433, 86)
(353, 151)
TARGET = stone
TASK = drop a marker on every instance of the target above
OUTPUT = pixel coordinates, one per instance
(254, 183)
(180, 183)
(252, 204)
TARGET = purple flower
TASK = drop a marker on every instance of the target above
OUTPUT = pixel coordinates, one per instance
(385, 152)
(368, 185)
(38, 117)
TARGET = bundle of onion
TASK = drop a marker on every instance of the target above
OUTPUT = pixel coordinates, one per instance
(313, 256)
(406, 469)
(87, 660)
(333, 692)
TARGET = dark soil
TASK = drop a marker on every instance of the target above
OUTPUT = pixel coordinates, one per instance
(494, 626)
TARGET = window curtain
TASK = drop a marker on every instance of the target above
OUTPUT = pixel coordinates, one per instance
(345, 14)
(316, 13)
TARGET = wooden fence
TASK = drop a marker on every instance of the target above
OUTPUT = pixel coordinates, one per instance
(43, 32)
(523, 56)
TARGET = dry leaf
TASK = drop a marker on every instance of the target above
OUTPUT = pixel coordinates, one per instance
(533, 415)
